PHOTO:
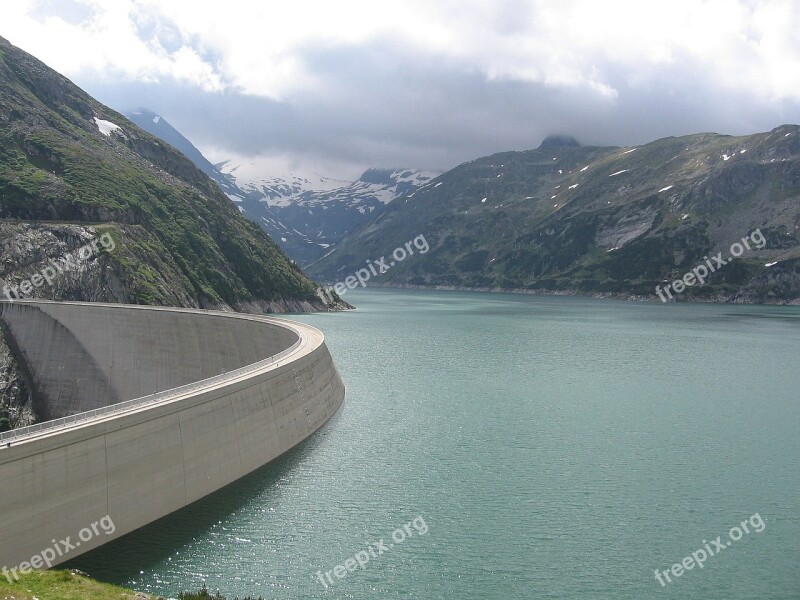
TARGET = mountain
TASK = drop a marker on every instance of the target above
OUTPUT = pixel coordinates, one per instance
(74, 172)
(305, 214)
(601, 220)
(310, 213)
(158, 126)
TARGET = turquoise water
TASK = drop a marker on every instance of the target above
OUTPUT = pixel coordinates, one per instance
(553, 447)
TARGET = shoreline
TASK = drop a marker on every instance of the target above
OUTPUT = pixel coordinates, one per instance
(720, 299)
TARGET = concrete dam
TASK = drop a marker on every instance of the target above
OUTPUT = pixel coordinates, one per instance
(149, 409)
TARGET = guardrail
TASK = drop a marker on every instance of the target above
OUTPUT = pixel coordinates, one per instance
(158, 397)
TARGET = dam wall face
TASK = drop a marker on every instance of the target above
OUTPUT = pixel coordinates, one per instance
(76, 368)
(139, 463)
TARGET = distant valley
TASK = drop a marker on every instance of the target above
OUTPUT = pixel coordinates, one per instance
(305, 214)
(563, 218)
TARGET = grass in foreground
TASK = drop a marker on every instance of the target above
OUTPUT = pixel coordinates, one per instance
(65, 585)
(62, 585)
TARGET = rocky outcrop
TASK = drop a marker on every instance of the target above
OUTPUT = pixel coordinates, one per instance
(16, 402)
(27, 249)
(778, 284)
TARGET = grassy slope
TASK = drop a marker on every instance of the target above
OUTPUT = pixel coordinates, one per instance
(595, 219)
(181, 237)
(61, 585)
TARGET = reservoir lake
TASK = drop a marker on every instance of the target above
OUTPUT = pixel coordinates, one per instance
(515, 446)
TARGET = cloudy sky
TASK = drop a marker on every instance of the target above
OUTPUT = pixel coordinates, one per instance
(339, 86)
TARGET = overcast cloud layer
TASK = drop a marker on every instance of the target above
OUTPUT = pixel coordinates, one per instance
(339, 86)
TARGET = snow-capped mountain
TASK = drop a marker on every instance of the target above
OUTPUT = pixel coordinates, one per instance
(312, 189)
(383, 185)
(277, 191)
(309, 213)
(305, 213)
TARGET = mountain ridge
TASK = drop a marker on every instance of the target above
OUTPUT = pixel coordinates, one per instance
(309, 214)
(600, 220)
(72, 169)
(305, 213)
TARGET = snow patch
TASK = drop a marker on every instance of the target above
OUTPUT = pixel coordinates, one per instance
(283, 239)
(726, 157)
(156, 119)
(664, 189)
(572, 187)
(484, 200)
(584, 168)
(619, 172)
(438, 184)
(631, 150)
(772, 264)
(684, 217)
(105, 127)
(742, 151)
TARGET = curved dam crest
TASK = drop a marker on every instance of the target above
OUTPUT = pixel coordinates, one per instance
(206, 397)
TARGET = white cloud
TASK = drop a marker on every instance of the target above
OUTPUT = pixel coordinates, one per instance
(259, 48)
(339, 86)
(107, 44)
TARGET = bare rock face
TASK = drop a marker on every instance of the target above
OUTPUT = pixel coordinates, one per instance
(74, 270)
(16, 403)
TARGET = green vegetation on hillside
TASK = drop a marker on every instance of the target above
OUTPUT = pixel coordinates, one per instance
(566, 218)
(179, 239)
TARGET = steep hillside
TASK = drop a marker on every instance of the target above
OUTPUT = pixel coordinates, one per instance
(158, 126)
(574, 219)
(73, 171)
